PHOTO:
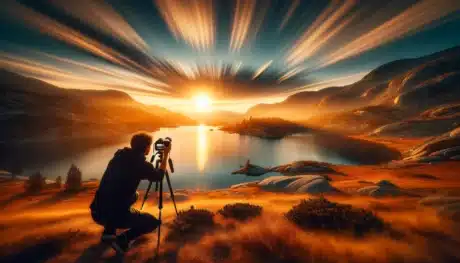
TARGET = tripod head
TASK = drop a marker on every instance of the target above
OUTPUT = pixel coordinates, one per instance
(163, 148)
(161, 144)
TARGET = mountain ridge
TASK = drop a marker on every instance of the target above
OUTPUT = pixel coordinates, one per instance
(405, 79)
(26, 100)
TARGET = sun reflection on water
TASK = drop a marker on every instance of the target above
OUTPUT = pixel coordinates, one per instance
(201, 147)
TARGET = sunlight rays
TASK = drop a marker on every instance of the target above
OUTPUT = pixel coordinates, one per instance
(329, 23)
(411, 20)
(246, 23)
(192, 20)
(124, 52)
(101, 15)
(262, 69)
(324, 33)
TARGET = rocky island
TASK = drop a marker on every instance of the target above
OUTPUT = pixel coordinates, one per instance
(267, 128)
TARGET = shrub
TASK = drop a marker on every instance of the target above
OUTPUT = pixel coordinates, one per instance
(73, 182)
(35, 183)
(58, 182)
(190, 225)
(240, 211)
(322, 214)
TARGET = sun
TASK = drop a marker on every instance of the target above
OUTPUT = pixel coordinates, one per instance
(203, 103)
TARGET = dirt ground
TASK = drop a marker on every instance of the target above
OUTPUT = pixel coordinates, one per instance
(55, 226)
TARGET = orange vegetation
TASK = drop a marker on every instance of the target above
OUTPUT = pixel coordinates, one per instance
(55, 226)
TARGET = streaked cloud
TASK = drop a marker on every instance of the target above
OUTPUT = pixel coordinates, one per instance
(262, 69)
(192, 20)
(246, 22)
(409, 21)
(102, 16)
(288, 15)
(328, 24)
(107, 46)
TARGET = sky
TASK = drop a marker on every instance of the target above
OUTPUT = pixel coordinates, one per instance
(237, 53)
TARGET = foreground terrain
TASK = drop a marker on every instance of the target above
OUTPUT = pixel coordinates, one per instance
(55, 226)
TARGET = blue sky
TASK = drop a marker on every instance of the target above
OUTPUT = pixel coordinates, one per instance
(276, 30)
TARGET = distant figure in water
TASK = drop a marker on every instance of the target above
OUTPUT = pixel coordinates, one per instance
(111, 206)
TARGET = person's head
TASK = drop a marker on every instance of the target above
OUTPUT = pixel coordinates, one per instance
(141, 143)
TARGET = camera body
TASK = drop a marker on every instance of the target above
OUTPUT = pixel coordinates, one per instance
(162, 144)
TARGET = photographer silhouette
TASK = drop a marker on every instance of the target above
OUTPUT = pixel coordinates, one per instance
(112, 203)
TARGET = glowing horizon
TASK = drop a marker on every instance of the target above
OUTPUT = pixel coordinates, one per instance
(249, 52)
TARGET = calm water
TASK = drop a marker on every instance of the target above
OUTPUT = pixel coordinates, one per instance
(204, 159)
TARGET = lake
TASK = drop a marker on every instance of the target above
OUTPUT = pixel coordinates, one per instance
(204, 157)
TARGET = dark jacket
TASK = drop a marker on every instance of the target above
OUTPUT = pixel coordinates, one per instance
(120, 181)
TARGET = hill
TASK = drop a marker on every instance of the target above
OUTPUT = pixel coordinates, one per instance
(32, 108)
(34, 112)
(408, 86)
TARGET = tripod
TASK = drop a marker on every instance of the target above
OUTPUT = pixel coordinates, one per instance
(162, 147)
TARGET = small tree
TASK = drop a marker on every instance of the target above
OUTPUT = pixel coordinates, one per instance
(58, 182)
(35, 183)
(74, 181)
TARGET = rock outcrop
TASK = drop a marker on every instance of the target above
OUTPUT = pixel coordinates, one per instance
(441, 148)
(251, 170)
(383, 188)
(446, 206)
(304, 167)
(311, 184)
(267, 128)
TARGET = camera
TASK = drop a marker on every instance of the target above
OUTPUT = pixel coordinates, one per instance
(162, 144)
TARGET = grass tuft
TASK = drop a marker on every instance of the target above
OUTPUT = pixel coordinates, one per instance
(191, 225)
(240, 211)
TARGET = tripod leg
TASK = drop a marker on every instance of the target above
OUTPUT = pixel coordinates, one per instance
(146, 194)
(171, 191)
(159, 235)
(160, 207)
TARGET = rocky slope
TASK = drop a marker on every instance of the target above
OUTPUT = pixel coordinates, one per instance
(32, 108)
(397, 91)
(38, 119)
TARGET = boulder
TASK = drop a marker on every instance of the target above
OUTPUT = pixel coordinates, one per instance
(311, 184)
(444, 146)
(383, 188)
(303, 167)
(251, 170)
(386, 183)
(179, 197)
(242, 185)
